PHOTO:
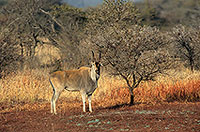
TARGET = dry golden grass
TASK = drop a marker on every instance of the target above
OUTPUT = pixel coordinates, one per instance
(33, 86)
(27, 86)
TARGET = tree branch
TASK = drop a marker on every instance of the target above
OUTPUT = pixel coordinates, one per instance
(52, 17)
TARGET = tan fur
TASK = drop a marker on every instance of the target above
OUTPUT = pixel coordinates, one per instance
(83, 79)
(72, 80)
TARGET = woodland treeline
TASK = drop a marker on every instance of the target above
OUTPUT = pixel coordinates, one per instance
(137, 41)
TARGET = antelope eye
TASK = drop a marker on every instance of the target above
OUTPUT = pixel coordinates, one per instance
(97, 64)
(93, 64)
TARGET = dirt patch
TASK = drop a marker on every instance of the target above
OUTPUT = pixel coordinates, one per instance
(179, 117)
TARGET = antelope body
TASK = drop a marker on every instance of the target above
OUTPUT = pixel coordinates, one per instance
(84, 80)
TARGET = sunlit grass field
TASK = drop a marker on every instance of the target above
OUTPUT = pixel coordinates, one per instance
(32, 86)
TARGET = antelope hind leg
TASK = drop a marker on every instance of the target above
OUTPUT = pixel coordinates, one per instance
(53, 102)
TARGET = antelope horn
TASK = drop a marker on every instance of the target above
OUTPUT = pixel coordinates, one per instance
(99, 55)
(93, 56)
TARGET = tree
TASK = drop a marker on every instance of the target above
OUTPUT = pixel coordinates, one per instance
(65, 32)
(150, 15)
(31, 20)
(23, 20)
(3, 2)
(110, 12)
(9, 57)
(186, 41)
(174, 12)
(132, 52)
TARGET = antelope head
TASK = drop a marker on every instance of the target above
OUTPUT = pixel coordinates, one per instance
(95, 67)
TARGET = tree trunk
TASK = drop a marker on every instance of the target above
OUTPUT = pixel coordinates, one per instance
(132, 96)
(132, 99)
(191, 64)
(22, 56)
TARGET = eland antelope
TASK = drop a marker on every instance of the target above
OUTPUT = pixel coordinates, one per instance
(84, 80)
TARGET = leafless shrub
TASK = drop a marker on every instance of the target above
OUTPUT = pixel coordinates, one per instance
(9, 57)
(132, 52)
(21, 26)
(185, 42)
(63, 29)
(30, 20)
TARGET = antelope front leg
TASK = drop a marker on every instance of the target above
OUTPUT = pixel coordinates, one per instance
(83, 99)
(90, 101)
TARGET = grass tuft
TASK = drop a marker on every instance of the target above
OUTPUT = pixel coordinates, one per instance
(33, 86)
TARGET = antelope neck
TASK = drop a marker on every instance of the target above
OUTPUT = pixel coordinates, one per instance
(93, 74)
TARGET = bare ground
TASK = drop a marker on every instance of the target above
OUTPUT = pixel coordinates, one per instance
(169, 117)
